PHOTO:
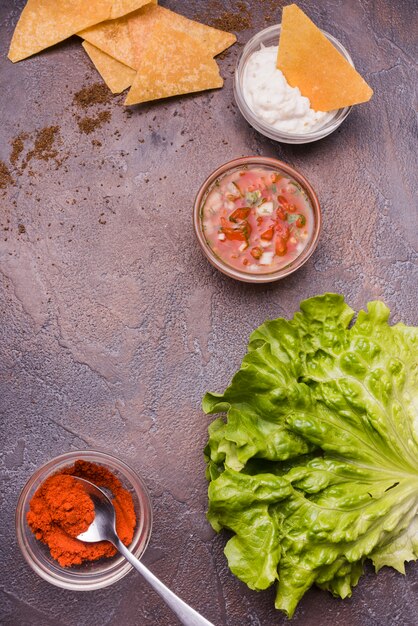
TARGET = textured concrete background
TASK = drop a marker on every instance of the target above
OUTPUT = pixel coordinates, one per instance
(113, 325)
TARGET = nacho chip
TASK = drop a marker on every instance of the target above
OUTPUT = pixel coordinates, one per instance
(44, 23)
(309, 61)
(116, 37)
(172, 63)
(115, 74)
(113, 38)
(122, 7)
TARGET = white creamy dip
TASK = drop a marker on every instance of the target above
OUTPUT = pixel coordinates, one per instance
(273, 100)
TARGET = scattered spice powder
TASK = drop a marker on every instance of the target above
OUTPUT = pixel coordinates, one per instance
(275, 11)
(89, 124)
(236, 20)
(5, 176)
(17, 147)
(44, 144)
(93, 94)
(61, 509)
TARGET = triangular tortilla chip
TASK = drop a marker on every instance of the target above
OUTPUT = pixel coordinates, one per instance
(123, 7)
(44, 23)
(115, 74)
(113, 38)
(172, 63)
(116, 37)
(309, 61)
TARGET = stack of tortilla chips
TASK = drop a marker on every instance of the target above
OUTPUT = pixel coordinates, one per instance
(132, 43)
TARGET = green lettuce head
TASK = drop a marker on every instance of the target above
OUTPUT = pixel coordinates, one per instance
(315, 467)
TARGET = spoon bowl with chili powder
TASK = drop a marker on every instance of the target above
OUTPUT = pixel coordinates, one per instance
(52, 511)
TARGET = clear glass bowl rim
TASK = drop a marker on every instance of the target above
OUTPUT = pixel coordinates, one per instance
(265, 129)
(246, 276)
(119, 566)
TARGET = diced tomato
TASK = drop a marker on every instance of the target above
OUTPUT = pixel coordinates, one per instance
(281, 213)
(283, 230)
(241, 232)
(233, 235)
(283, 202)
(301, 221)
(280, 246)
(256, 252)
(268, 234)
(240, 214)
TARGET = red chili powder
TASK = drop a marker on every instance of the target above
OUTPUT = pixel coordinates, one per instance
(61, 509)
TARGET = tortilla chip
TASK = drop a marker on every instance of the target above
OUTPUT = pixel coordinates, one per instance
(113, 38)
(172, 63)
(309, 61)
(116, 75)
(44, 23)
(122, 7)
(116, 37)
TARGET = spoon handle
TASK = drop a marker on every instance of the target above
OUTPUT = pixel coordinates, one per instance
(185, 613)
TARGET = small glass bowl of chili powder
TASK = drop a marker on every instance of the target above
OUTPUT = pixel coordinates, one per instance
(38, 547)
(257, 219)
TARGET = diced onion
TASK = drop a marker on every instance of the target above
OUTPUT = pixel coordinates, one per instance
(266, 208)
(266, 258)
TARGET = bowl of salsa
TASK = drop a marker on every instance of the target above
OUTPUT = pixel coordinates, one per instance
(257, 219)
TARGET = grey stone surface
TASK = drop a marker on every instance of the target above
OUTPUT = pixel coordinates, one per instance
(113, 325)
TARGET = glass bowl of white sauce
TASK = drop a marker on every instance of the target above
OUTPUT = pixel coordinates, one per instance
(267, 101)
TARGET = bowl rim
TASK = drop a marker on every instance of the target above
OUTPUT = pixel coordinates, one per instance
(269, 131)
(247, 276)
(120, 567)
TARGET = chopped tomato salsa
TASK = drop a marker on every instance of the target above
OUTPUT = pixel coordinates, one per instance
(257, 219)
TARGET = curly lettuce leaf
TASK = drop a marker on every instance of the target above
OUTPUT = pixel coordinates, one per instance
(315, 468)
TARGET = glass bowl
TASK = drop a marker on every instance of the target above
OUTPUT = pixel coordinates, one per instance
(270, 37)
(221, 265)
(95, 574)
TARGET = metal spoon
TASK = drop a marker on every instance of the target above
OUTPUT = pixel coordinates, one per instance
(103, 528)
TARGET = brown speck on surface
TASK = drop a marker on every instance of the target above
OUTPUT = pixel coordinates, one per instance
(21, 229)
(88, 125)
(96, 143)
(5, 176)
(91, 95)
